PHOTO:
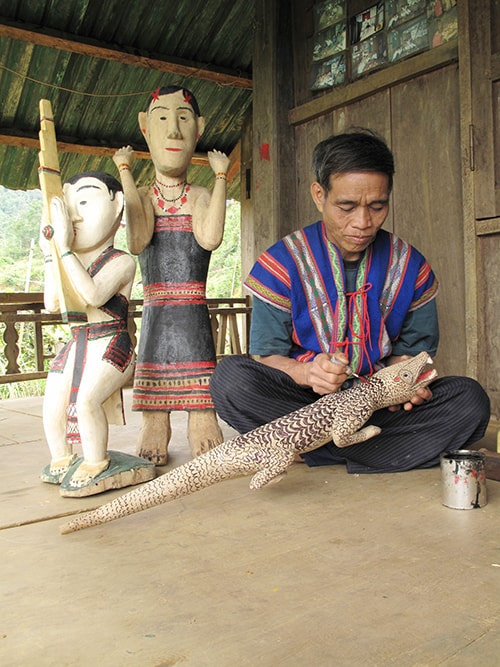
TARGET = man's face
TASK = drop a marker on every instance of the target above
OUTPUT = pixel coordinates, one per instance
(93, 212)
(171, 129)
(354, 210)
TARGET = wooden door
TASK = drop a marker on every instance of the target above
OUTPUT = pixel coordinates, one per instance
(480, 112)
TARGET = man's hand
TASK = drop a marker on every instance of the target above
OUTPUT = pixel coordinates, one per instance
(321, 374)
(325, 376)
(421, 396)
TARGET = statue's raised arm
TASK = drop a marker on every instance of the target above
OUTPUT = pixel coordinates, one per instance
(140, 214)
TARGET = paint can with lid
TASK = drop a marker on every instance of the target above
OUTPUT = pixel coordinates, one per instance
(463, 475)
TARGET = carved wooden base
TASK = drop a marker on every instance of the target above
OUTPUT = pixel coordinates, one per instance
(123, 470)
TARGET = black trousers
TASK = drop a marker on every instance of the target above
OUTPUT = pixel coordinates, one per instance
(248, 394)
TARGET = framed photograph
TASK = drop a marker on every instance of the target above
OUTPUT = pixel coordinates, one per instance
(399, 11)
(436, 8)
(327, 13)
(409, 38)
(329, 73)
(330, 41)
(443, 29)
(367, 23)
(369, 54)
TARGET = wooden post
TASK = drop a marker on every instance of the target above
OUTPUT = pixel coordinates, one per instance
(49, 174)
(273, 180)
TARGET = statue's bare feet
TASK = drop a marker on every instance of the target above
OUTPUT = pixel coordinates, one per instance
(59, 467)
(154, 437)
(54, 472)
(203, 431)
(86, 472)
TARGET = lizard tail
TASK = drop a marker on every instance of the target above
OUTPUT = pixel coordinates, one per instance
(182, 481)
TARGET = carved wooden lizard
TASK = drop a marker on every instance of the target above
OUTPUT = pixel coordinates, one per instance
(269, 450)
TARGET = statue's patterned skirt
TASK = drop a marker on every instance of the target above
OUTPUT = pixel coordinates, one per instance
(176, 355)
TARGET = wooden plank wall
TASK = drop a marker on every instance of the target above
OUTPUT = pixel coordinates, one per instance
(489, 309)
(422, 106)
(427, 195)
(480, 113)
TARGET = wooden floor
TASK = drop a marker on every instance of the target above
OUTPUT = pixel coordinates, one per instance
(323, 569)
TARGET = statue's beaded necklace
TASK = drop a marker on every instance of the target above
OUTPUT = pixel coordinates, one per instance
(162, 201)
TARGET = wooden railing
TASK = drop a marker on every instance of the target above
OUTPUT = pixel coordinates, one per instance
(230, 320)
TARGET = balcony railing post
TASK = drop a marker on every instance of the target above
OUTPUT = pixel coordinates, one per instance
(11, 349)
(230, 320)
(39, 354)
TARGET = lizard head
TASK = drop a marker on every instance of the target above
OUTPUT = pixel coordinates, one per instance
(401, 381)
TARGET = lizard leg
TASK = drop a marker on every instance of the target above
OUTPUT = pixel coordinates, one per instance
(278, 460)
(346, 439)
(265, 477)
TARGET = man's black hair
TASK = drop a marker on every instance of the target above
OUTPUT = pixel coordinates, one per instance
(353, 151)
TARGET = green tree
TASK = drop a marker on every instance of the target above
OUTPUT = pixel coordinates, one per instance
(224, 276)
(20, 215)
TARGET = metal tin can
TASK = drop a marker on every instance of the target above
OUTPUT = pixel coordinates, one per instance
(463, 477)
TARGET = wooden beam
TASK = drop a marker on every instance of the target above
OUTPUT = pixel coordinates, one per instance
(489, 226)
(7, 139)
(198, 159)
(58, 40)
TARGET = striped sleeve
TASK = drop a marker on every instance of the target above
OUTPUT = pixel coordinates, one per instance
(426, 287)
(269, 280)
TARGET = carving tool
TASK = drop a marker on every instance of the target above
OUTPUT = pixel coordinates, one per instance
(348, 369)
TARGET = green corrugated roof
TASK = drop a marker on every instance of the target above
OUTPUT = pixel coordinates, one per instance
(96, 95)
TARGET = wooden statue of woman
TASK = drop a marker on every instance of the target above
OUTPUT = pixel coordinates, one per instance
(173, 226)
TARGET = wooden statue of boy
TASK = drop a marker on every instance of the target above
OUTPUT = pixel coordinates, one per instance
(173, 226)
(99, 360)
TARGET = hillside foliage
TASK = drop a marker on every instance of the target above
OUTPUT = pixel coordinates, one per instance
(21, 262)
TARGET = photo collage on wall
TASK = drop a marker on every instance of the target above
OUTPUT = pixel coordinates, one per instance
(346, 47)
(330, 44)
